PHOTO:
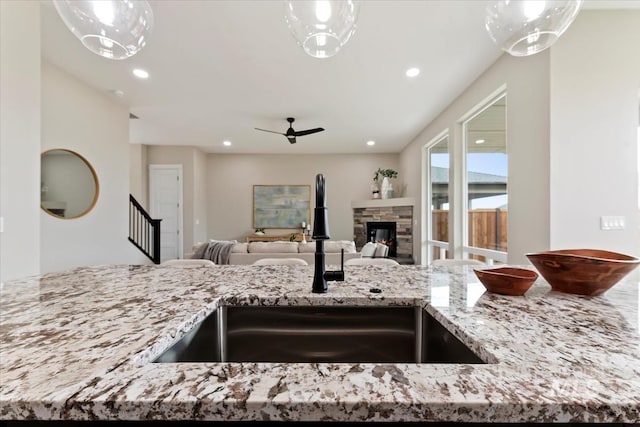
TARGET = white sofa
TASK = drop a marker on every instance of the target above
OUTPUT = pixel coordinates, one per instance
(248, 253)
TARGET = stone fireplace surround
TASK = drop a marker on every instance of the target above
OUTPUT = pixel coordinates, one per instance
(399, 210)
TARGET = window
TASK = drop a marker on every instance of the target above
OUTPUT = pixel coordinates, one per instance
(486, 171)
(465, 197)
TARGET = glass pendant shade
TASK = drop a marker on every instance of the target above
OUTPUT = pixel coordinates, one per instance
(526, 27)
(322, 27)
(114, 29)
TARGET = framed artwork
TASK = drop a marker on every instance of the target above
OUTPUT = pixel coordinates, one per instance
(281, 206)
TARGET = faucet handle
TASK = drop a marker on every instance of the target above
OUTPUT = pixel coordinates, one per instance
(336, 276)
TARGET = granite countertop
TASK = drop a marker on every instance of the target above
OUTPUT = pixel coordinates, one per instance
(78, 345)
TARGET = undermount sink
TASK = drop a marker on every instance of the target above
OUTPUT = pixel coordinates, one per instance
(319, 334)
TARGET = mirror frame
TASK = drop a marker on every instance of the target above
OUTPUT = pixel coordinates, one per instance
(93, 174)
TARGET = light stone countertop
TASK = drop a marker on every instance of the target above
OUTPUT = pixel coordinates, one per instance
(78, 345)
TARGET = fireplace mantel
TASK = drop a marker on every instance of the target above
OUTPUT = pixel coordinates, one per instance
(383, 203)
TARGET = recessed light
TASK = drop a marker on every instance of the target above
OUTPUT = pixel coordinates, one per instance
(480, 141)
(413, 72)
(140, 73)
(226, 143)
(370, 143)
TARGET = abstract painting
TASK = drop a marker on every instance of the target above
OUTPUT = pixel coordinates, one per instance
(281, 206)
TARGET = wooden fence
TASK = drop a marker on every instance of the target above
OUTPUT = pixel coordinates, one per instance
(487, 228)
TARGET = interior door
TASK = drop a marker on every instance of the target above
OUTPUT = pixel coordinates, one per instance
(165, 199)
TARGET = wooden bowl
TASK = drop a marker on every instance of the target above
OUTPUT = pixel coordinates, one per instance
(582, 271)
(507, 280)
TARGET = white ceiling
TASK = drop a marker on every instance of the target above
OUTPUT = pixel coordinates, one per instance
(220, 68)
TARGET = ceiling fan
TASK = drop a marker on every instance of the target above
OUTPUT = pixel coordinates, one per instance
(292, 134)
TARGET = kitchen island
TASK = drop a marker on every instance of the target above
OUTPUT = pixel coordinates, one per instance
(79, 345)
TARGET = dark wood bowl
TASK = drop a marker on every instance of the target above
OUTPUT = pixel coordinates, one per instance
(582, 271)
(507, 280)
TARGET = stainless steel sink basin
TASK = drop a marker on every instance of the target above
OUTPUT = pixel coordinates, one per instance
(319, 334)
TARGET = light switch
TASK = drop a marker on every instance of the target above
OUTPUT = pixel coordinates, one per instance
(612, 222)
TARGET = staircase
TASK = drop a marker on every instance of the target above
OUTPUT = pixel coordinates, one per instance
(144, 231)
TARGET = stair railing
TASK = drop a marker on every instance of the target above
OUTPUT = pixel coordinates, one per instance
(144, 231)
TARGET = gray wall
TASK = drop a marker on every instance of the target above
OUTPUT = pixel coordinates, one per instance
(231, 179)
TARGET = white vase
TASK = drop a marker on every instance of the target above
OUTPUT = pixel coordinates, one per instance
(384, 188)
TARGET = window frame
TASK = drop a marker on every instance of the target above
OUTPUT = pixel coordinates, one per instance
(467, 250)
(429, 244)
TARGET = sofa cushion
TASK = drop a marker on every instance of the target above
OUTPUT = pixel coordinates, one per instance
(332, 259)
(330, 246)
(240, 248)
(273, 247)
(307, 248)
(336, 245)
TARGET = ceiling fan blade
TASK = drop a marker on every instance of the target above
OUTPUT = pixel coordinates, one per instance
(272, 131)
(308, 131)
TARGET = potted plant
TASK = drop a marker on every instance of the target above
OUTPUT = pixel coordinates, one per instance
(385, 173)
(386, 189)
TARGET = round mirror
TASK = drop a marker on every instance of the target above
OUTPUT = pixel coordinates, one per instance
(68, 184)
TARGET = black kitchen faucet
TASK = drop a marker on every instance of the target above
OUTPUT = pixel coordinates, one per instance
(320, 234)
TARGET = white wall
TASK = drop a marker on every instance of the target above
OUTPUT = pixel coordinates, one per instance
(200, 204)
(231, 179)
(20, 100)
(527, 82)
(595, 78)
(79, 118)
(138, 173)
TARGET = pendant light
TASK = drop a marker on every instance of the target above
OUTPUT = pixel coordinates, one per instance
(322, 27)
(114, 29)
(523, 28)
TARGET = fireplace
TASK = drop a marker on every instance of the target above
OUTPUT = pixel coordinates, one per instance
(385, 233)
(398, 211)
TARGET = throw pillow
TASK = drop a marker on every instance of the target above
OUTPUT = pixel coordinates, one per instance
(381, 250)
(368, 250)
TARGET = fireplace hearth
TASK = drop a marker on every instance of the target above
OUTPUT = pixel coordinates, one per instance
(385, 233)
